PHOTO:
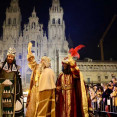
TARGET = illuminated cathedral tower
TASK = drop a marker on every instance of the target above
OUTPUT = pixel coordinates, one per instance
(55, 46)
(56, 35)
(11, 26)
(33, 32)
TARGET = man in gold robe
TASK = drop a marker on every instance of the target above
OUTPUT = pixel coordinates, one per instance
(41, 97)
(71, 99)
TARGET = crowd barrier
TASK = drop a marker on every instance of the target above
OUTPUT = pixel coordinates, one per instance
(105, 108)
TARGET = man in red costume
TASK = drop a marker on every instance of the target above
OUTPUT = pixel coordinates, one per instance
(71, 99)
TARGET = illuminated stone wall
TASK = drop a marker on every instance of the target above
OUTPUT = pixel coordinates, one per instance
(97, 71)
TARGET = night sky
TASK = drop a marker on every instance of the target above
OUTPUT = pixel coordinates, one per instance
(85, 20)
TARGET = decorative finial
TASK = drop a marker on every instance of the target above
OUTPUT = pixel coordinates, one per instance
(34, 9)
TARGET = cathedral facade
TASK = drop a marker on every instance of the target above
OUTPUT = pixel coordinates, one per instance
(55, 45)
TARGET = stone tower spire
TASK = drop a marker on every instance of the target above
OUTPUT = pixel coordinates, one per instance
(12, 23)
(56, 25)
(57, 44)
(55, 5)
(34, 12)
(56, 13)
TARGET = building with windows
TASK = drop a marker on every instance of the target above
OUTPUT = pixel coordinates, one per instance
(97, 71)
(55, 45)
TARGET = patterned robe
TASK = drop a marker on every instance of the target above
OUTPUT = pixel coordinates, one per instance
(71, 95)
(6, 74)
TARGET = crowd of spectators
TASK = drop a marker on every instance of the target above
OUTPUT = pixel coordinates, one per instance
(103, 97)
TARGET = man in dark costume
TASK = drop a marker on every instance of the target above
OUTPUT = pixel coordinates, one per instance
(11, 85)
(71, 99)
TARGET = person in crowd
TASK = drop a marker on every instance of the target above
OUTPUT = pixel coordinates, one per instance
(95, 88)
(93, 98)
(99, 96)
(111, 83)
(114, 97)
(106, 93)
(114, 79)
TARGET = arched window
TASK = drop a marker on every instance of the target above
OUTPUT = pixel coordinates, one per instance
(59, 21)
(9, 21)
(53, 21)
(33, 43)
(20, 56)
(33, 51)
(99, 78)
(88, 80)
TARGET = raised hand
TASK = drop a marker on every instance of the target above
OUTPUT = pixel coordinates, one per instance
(30, 56)
(29, 47)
